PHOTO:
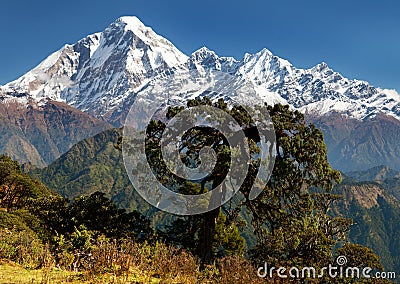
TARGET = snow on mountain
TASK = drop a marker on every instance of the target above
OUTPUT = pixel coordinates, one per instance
(318, 90)
(102, 69)
(102, 74)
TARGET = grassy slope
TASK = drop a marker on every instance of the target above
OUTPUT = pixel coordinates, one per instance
(11, 272)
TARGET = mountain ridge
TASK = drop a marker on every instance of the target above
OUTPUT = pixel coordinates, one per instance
(39, 133)
(104, 73)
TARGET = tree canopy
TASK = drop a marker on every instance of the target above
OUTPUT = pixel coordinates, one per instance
(290, 218)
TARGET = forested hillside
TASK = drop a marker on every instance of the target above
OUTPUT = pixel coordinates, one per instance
(77, 172)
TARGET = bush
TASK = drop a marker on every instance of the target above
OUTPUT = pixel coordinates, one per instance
(24, 248)
(237, 269)
(126, 257)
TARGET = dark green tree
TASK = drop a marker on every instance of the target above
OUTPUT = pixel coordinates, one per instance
(17, 188)
(187, 232)
(291, 216)
(99, 214)
(203, 236)
(359, 256)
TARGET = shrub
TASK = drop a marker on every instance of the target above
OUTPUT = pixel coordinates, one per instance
(237, 269)
(24, 248)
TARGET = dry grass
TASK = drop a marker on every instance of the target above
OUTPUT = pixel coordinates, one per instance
(11, 272)
(130, 262)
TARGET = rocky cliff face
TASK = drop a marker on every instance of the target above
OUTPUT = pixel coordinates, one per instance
(376, 216)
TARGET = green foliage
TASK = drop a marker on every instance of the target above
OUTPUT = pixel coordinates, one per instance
(16, 188)
(12, 221)
(227, 239)
(205, 233)
(359, 256)
(80, 239)
(94, 164)
(186, 232)
(290, 217)
(67, 226)
(23, 247)
(101, 215)
(53, 212)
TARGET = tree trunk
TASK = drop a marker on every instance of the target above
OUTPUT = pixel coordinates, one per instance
(208, 231)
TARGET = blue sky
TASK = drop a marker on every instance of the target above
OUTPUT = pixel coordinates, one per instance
(360, 39)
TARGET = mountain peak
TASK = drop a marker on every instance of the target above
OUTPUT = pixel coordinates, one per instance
(206, 58)
(265, 51)
(321, 67)
(113, 63)
(131, 23)
(132, 20)
(101, 72)
(204, 52)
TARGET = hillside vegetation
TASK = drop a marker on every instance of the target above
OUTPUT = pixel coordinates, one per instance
(90, 233)
(373, 208)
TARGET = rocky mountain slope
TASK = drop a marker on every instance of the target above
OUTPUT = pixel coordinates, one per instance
(360, 145)
(382, 175)
(100, 71)
(376, 217)
(40, 133)
(379, 173)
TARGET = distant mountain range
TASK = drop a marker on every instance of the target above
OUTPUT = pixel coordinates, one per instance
(384, 176)
(102, 74)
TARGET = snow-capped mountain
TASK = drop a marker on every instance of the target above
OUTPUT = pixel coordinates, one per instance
(101, 70)
(318, 90)
(105, 72)
(102, 73)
